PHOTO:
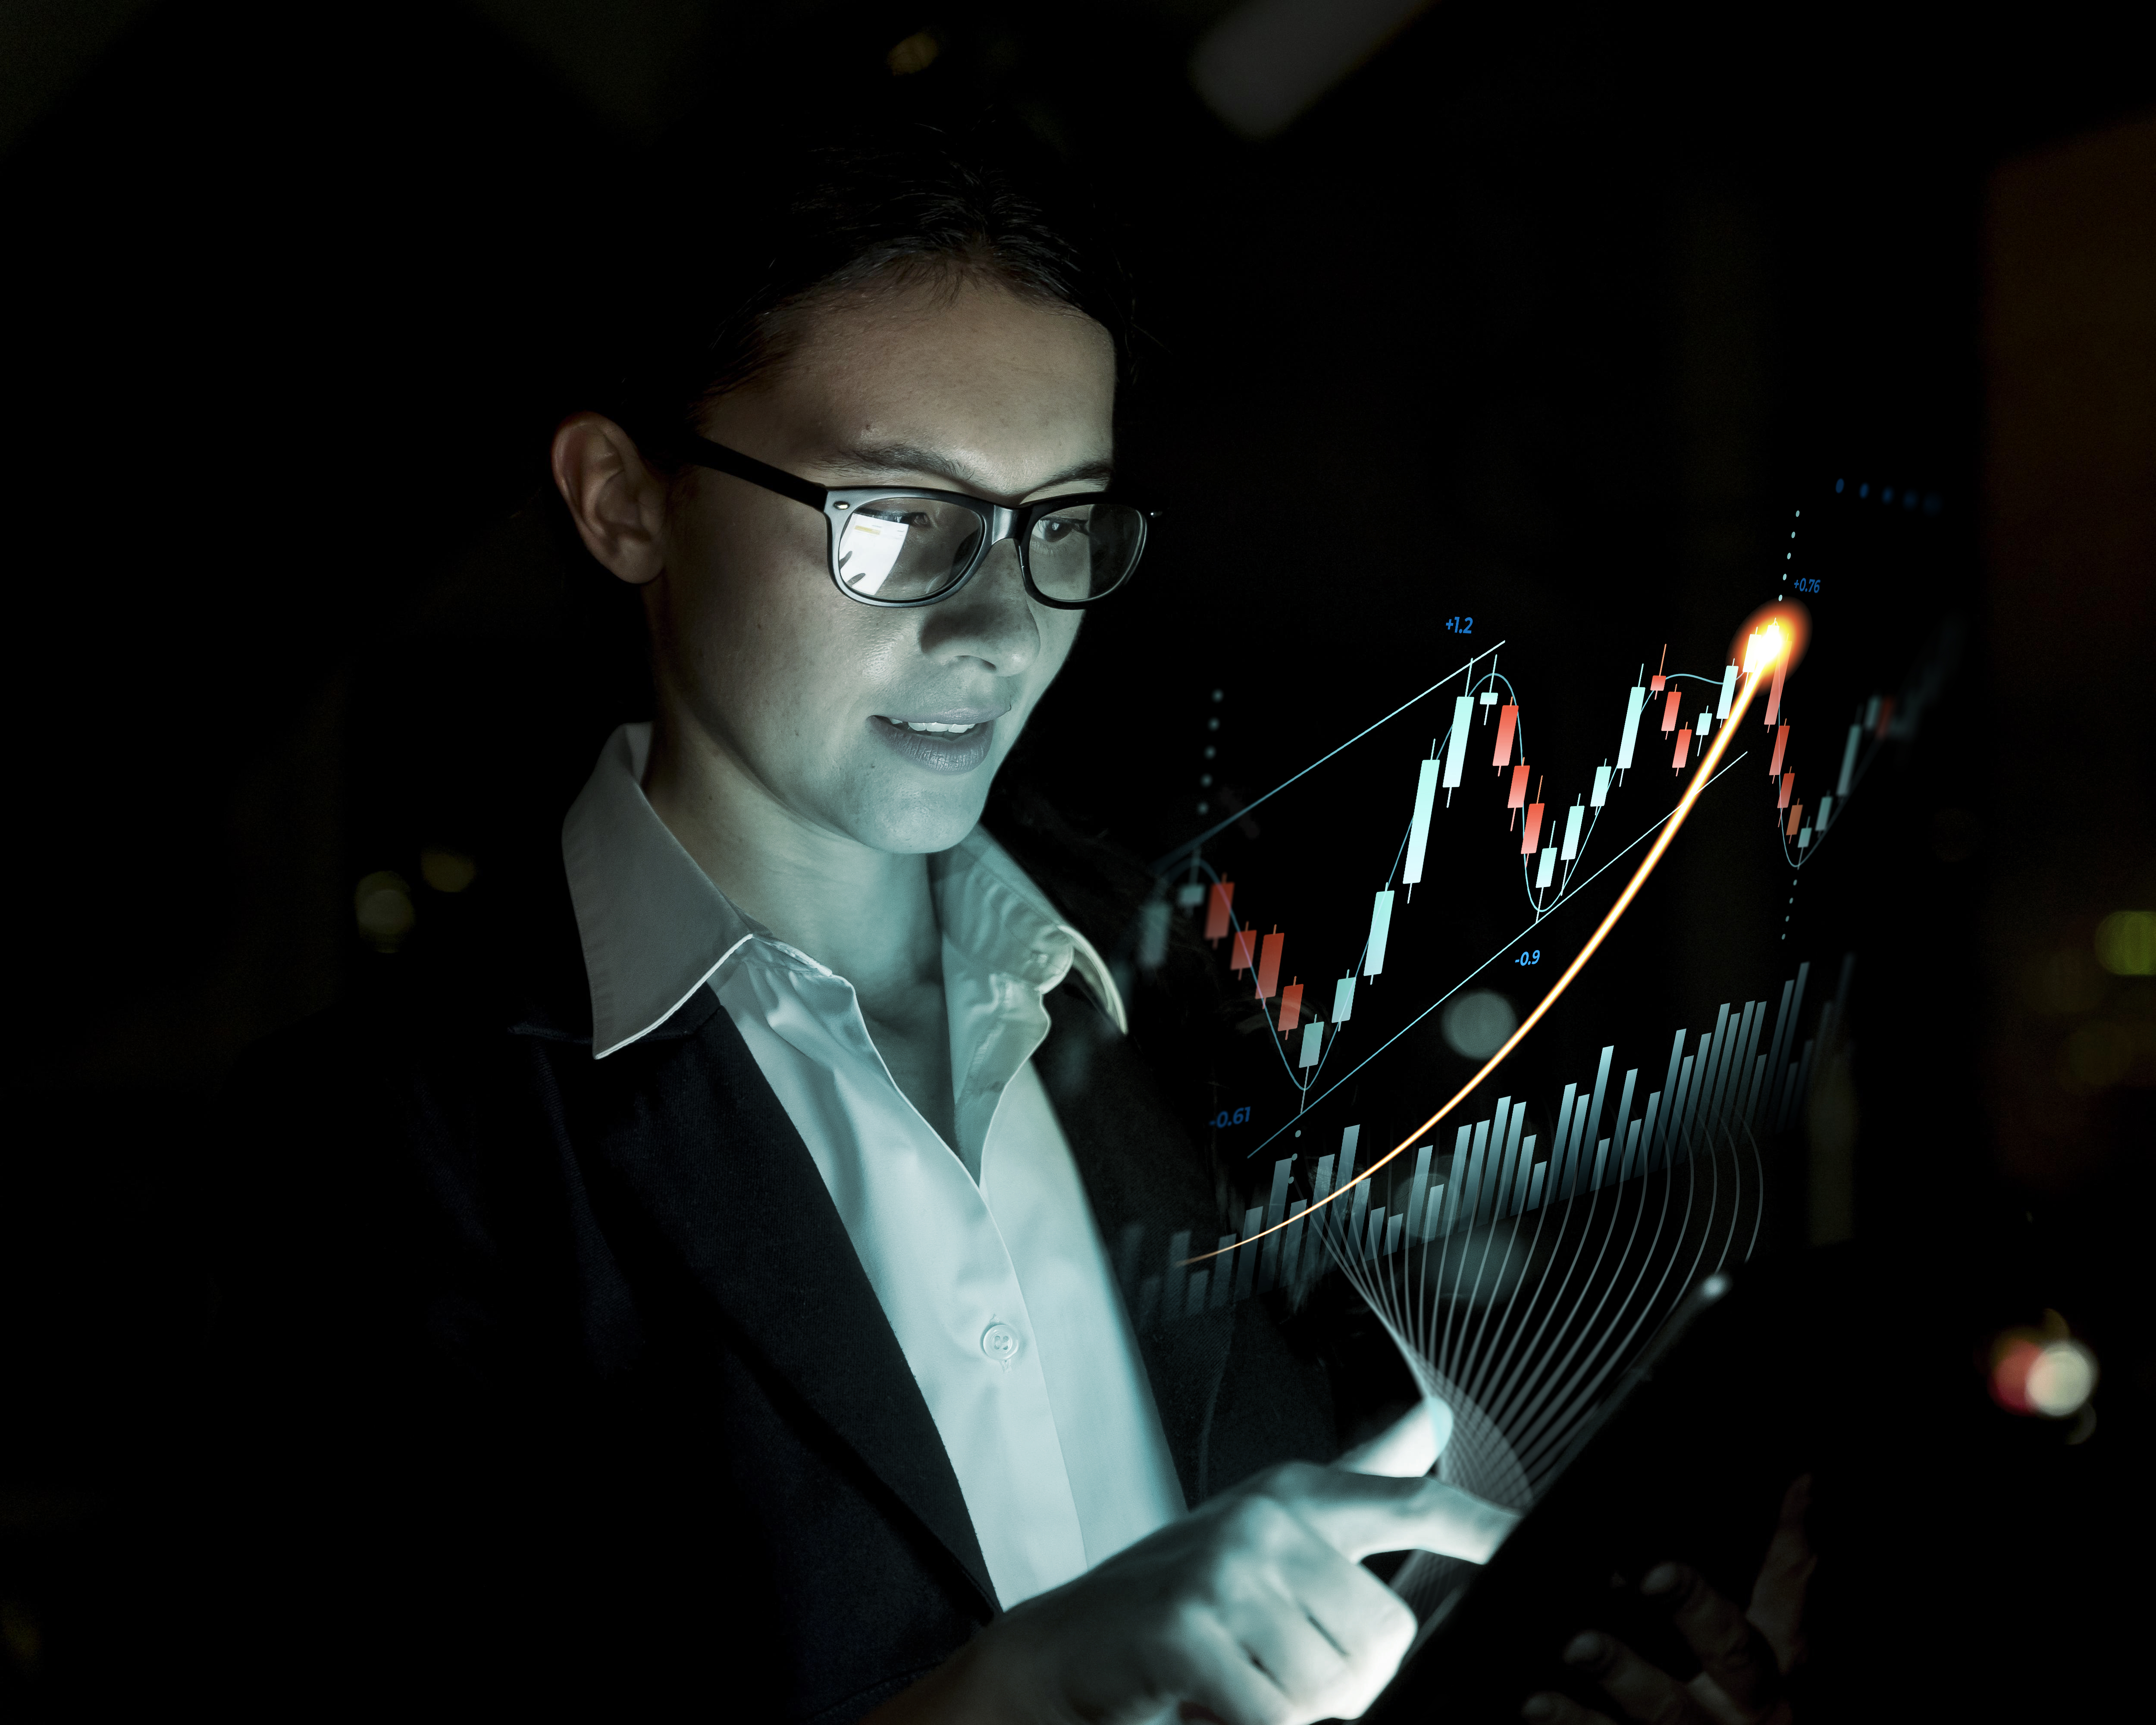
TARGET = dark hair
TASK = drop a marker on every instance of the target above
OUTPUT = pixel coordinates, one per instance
(896, 207)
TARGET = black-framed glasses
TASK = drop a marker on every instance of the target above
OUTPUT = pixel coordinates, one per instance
(905, 545)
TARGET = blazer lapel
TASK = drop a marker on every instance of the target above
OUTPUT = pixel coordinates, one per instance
(709, 1156)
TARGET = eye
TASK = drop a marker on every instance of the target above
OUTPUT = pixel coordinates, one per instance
(904, 518)
(1054, 529)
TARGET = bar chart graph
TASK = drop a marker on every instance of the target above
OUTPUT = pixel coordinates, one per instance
(1743, 1080)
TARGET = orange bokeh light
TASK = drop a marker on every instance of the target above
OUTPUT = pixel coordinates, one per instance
(1791, 619)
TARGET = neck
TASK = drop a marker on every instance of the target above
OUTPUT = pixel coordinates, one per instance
(867, 914)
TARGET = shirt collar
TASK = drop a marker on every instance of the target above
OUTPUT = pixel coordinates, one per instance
(655, 930)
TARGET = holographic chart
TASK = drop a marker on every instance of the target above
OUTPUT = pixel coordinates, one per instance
(1520, 1176)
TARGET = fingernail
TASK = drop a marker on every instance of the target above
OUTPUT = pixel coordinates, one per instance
(1659, 1580)
(1538, 1707)
(1583, 1649)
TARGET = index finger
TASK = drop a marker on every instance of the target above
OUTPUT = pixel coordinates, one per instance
(1359, 1514)
(1409, 1447)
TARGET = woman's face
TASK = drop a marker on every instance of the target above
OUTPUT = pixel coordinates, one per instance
(823, 700)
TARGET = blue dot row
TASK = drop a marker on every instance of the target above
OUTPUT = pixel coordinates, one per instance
(1931, 501)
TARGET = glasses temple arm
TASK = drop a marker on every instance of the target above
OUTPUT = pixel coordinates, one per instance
(704, 453)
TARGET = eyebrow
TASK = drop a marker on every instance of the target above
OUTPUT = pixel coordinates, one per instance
(881, 460)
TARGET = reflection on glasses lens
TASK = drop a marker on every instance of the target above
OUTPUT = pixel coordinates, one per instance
(905, 547)
(1081, 552)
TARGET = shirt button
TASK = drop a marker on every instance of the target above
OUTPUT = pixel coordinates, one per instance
(999, 1342)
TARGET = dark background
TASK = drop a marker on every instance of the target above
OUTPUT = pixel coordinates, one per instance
(1578, 302)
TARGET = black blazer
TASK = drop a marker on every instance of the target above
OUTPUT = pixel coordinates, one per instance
(551, 1380)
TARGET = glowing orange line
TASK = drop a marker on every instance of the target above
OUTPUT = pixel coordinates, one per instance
(1703, 773)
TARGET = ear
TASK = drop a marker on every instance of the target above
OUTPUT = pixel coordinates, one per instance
(617, 501)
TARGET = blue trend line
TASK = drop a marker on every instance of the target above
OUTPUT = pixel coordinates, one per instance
(1161, 865)
(1310, 1103)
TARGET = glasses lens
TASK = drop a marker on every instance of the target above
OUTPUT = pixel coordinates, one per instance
(905, 547)
(1081, 553)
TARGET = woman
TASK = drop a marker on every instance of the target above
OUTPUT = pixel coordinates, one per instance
(723, 1269)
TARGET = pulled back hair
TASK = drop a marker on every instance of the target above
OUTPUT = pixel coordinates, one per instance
(732, 293)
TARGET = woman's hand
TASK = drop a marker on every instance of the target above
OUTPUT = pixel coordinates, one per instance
(1255, 1609)
(1743, 1656)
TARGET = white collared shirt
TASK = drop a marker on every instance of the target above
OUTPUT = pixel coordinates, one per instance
(995, 1282)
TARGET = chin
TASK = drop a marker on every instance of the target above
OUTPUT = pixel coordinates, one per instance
(915, 821)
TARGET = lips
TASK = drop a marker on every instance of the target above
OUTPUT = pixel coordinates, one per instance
(955, 740)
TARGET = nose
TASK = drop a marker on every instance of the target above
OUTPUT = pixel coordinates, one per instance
(990, 619)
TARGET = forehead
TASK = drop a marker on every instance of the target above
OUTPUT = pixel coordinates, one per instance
(969, 365)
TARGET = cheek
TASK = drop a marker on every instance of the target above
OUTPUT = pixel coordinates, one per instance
(736, 614)
(789, 666)
(778, 661)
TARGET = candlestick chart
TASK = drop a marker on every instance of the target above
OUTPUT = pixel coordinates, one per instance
(1518, 1248)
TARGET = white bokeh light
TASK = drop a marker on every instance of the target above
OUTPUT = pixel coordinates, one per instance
(2062, 1380)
